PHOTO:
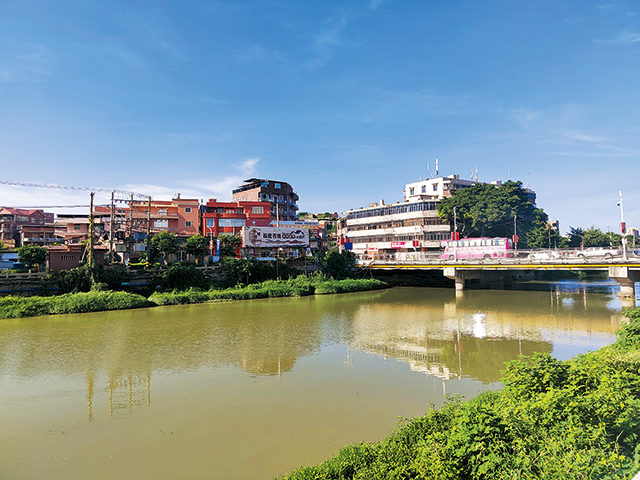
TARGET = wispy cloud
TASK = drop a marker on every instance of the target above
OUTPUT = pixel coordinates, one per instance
(26, 63)
(325, 42)
(626, 37)
(374, 4)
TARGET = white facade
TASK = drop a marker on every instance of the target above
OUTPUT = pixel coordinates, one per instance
(435, 188)
(386, 229)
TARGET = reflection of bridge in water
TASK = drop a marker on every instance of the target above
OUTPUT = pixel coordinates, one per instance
(501, 271)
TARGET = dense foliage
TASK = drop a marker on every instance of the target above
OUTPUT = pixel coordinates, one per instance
(246, 271)
(32, 255)
(572, 420)
(593, 237)
(229, 244)
(485, 210)
(182, 276)
(82, 279)
(338, 265)
(197, 245)
(166, 243)
(94, 301)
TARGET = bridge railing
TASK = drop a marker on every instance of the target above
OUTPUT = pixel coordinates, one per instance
(515, 257)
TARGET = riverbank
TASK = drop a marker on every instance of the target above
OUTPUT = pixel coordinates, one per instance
(96, 301)
(553, 419)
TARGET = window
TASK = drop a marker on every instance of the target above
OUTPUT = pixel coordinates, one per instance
(76, 227)
(411, 191)
(424, 189)
(257, 210)
(435, 187)
(162, 211)
(22, 218)
(211, 222)
(161, 224)
(187, 210)
(187, 224)
(277, 185)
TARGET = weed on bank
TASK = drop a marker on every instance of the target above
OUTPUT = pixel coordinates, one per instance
(94, 301)
(296, 287)
(575, 419)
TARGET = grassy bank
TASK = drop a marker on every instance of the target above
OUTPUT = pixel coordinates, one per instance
(297, 287)
(95, 301)
(18, 307)
(577, 419)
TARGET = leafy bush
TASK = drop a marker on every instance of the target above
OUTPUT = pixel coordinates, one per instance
(182, 276)
(95, 301)
(553, 419)
(349, 285)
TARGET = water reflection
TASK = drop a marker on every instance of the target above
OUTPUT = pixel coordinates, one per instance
(310, 374)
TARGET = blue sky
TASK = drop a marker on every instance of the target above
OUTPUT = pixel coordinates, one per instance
(346, 100)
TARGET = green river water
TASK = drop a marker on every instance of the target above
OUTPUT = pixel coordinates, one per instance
(253, 389)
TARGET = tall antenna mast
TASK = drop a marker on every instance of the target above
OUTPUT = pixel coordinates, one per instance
(437, 170)
(429, 171)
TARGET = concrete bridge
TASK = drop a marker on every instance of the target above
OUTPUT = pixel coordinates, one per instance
(625, 271)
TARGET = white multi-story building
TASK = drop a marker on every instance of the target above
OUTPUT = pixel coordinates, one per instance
(381, 229)
(409, 226)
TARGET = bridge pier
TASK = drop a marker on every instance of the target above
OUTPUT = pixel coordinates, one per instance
(488, 278)
(626, 278)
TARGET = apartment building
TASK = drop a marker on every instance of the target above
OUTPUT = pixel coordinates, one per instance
(280, 195)
(231, 217)
(14, 220)
(382, 230)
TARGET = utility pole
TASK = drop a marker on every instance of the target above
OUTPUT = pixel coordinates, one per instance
(148, 228)
(129, 237)
(90, 233)
(623, 229)
(112, 220)
(455, 234)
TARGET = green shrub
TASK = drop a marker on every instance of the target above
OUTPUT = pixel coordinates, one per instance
(182, 276)
(95, 301)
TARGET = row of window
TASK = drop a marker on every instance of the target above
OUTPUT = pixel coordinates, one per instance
(412, 222)
(403, 238)
(392, 210)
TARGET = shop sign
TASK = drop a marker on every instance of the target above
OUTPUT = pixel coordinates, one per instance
(275, 237)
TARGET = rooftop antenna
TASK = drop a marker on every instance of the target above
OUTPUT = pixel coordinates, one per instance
(437, 170)
(476, 173)
(428, 172)
(528, 179)
(471, 173)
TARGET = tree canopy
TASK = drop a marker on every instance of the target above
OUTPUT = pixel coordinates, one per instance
(198, 245)
(485, 210)
(32, 255)
(229, 244)
(166, 243)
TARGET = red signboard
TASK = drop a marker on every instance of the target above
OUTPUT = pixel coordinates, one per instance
(397, 244)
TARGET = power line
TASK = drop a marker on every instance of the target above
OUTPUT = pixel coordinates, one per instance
(63, 187)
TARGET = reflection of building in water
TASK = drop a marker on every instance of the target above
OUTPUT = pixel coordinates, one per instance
(125, 393)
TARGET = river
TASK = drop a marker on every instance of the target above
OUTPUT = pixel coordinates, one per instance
(251, 390)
